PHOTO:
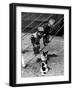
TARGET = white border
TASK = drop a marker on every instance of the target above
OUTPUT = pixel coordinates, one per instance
(20, 80)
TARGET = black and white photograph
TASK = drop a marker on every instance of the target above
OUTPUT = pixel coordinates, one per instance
(42, 44)
(42, 39)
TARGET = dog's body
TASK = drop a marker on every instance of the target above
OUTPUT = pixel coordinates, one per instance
(44, 66)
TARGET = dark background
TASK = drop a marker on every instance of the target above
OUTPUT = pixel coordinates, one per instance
(30, 22)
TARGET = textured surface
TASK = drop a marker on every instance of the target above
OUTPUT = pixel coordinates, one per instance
(55, 58)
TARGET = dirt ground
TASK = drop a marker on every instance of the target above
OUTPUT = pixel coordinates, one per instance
(55, 58)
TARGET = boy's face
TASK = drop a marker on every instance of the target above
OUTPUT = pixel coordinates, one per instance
(51, 22)
(40, 28)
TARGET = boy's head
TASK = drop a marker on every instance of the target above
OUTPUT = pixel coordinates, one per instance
(51, 22)
(40, 29)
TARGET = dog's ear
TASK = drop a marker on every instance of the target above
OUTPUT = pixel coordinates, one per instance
(46, 52)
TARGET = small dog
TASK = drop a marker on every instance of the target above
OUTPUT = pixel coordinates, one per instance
(44, 66)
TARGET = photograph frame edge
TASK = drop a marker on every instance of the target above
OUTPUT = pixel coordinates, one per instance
(12, 44)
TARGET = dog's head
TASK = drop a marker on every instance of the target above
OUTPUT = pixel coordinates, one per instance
(45, 53)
